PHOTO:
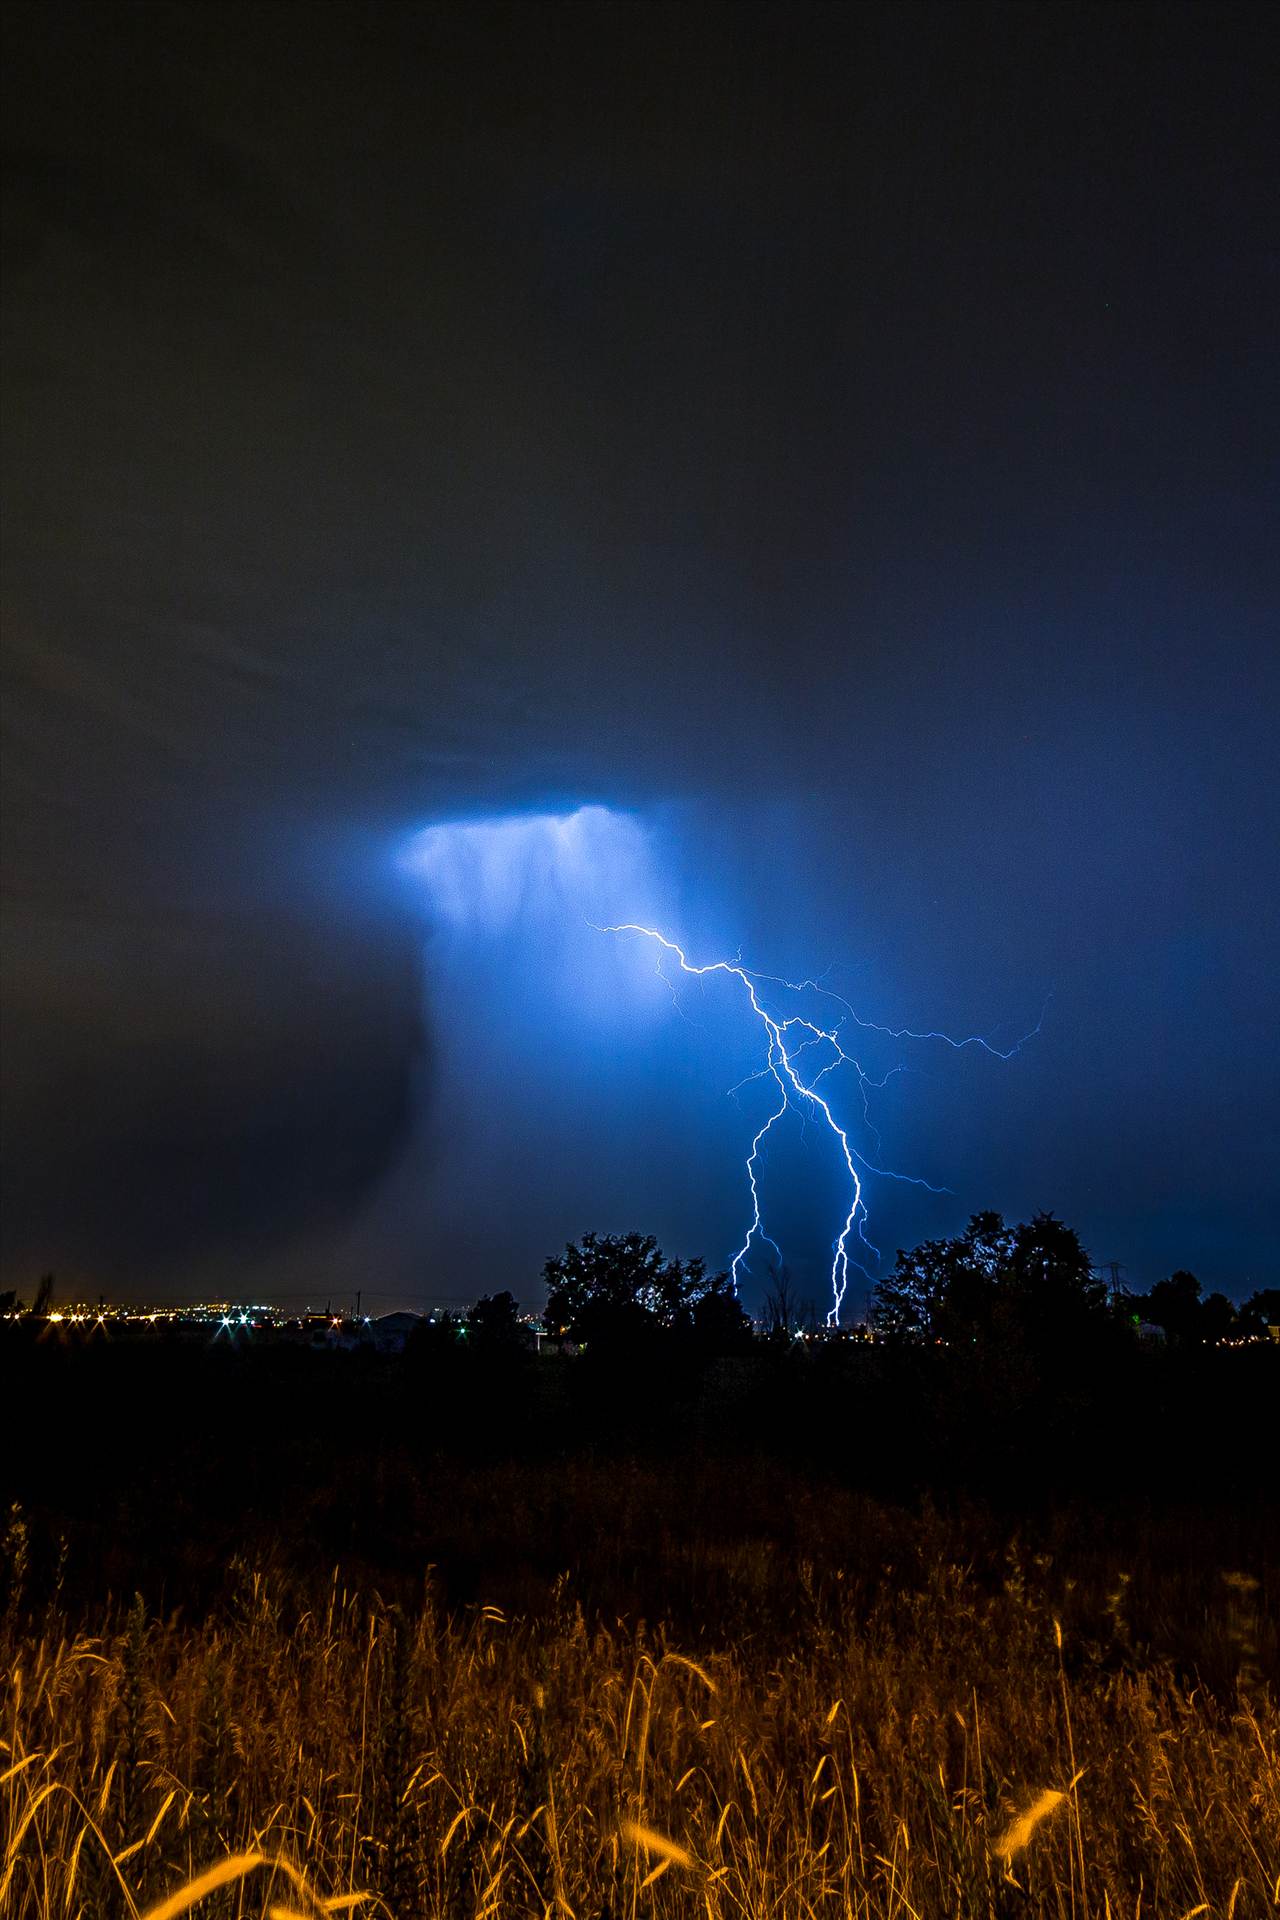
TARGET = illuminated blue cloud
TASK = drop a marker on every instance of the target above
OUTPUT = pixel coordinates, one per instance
(579, 1069)
(483, 876)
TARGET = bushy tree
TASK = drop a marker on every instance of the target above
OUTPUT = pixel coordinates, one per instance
(943, 1288)
(494, 1323)
(993, 1284)
(1188, 1319)
(1217, 1318)
(1260, 1311)
(715, 1324)
(614, 1287)
(1174, 1306)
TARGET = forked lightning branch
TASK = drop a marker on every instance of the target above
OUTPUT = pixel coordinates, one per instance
(800, 1052)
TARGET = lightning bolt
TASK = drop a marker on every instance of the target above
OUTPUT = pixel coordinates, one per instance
(787, 1040)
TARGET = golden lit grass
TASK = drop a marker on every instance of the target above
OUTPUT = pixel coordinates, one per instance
(934, 1760)
(305, 1903)
(1016, 1837)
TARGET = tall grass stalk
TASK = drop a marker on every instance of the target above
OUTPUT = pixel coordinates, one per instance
(920, 1756)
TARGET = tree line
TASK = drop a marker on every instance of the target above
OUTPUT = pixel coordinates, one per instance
(995, 1282)
(993, 1285)
(1029, 1286)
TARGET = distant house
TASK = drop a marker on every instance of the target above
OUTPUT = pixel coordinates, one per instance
(391, 1330)
(329, 1332)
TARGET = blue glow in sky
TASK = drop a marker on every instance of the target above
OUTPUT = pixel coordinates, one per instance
(565, 1047)
(482, 876)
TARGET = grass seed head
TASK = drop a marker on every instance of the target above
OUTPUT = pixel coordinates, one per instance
(1017, 1836)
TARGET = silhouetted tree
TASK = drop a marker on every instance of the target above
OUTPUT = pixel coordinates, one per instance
(44, 1296)
(715, 1322)
(1217, 1318)
(614, 1286)
(1050, 1288)
(494, 1323)
(781, 1308)
(1174, 1304)
(994, 1284)
(1260, 1311)
(943, 1289)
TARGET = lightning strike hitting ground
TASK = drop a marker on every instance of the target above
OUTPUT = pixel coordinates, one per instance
(788, 1038)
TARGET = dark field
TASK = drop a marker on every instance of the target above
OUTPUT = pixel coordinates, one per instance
(475, 1635)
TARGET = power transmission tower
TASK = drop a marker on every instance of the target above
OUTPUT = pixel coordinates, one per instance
(1115, 1285)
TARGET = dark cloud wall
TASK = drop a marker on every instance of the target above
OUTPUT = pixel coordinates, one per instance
(855, 425)
(199, 1085)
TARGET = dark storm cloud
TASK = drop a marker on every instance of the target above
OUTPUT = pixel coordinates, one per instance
(861, 417)
(199, 1082)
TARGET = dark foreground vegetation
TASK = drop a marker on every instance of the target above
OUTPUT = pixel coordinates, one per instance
(155, 1460)
(791, 1629)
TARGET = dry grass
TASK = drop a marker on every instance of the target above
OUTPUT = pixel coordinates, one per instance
(944, 1754)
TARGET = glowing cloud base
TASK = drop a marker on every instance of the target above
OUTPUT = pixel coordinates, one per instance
(486, 875)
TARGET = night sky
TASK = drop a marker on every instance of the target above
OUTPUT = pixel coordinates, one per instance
(838, 444)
